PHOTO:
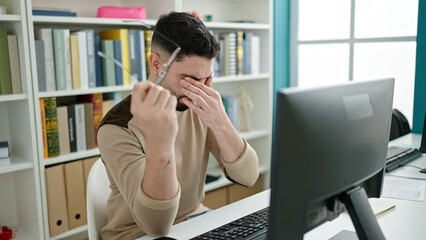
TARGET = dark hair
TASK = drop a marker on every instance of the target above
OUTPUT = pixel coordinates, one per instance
(188, 32)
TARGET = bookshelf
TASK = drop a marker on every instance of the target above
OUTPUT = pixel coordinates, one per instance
(24, 180)
(20, 197)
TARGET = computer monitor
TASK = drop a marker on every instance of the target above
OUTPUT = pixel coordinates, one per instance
(330, 144)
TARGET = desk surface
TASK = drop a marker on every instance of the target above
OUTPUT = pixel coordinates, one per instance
(405, 221)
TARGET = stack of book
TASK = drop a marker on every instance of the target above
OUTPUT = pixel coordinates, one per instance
(71, 126)
(4, 154)
(69, 60)
(58, 12)
(10, 75)
(239, 54)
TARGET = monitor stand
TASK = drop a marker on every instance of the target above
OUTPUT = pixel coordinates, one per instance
(362, 216)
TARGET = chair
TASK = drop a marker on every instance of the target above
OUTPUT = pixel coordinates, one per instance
(399, 125)
(97, 195)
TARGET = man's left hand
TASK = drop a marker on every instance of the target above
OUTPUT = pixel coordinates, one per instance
(205, 101)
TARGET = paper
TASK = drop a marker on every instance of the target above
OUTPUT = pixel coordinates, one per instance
(408, 189)
(379, 205)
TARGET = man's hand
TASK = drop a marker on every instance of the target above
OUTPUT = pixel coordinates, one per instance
(154, 108)
(206, 102)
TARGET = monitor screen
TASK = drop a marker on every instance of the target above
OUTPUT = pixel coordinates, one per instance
(330, 144)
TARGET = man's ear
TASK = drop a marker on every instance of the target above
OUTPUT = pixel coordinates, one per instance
(155, 63)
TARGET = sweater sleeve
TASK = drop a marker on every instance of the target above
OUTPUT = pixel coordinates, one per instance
(124, 159)
(244, 170)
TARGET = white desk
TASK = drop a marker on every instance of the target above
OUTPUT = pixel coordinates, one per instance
(406, 221)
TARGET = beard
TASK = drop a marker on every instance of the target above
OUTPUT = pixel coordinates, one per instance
(181, 107)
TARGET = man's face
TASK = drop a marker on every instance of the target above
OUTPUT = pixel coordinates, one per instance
(195, 67)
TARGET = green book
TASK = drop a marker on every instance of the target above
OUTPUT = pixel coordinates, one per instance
(60, 59)
(5, 76)
(52, 132)
(108, 66)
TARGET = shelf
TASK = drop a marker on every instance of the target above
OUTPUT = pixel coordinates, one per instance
(222, 181)
(72, 21)
(239, 26)
(254, 134)
(72, 232)
(21, 234)
(13, 97)
(228, 79)
(72, 156)
(85, 91)
(9, 18)
(17, 163)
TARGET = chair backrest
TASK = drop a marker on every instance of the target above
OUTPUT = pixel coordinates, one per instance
(399, 125)
(97, 194)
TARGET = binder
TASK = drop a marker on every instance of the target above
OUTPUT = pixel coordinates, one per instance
(87, 165)
(74, 181)
(56, 200)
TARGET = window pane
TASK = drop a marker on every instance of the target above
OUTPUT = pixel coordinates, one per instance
(323, 64)
(397, 59)
(385, 18)
(325, 19)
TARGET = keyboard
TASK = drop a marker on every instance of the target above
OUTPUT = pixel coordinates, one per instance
(398, 156)
(248, 227)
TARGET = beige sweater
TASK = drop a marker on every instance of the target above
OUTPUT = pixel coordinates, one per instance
(131, 213)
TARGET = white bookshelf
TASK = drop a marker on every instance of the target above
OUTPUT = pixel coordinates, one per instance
(20, 198)
(24, 180)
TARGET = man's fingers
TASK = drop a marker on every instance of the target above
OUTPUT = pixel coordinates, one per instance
(139, 94)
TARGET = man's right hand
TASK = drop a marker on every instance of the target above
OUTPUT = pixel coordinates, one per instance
(154, 108)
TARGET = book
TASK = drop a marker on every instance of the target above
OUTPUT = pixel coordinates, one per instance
(255, 54)
(118, 69)
(98, 62)
(45, 34)
(72, 127)
(89, 125)
(148, 40)
(96, 117)
(247, 53)
(108, 66)
(43, 128)
(52, 134)
(15, 72)
(75, 62)
(4, 150)
(82, 51)
(41, 69)
(4, 162)
(63, 130)
(122, 35)
(91, 70)
(80, 126)
(216, 62)
(142, 55)
(39, 12)
(106, 106)
(240, 53)
(232, 53)
(229, 104)
(132, 56)
(5, 76)
(61, 54)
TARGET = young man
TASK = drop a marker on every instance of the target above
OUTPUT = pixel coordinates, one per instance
(155, 143)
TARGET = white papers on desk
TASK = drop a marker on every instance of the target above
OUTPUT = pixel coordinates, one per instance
(408, 189)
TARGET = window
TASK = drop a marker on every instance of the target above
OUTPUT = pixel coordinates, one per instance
(335, 41)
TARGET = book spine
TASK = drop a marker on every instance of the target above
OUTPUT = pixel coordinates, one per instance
(98, 63)
(72, 128)
(247, 53)
(43, 128)
(232, 53)
(124, 33)
(59, 57)
(15, 72)
(45, 34)
(91, 57)
(118, 70)
(240, 53)
(255, 55)
(80, 127)
(51, 127)
(54, 13)
(41, 69)
(138, 70)
(142, 55)
(82, 47)
(67, 56)
(5, 76)
(132, 56)
(89, 126)
(108, 66)
(75, 62)
(63, 130)
(148, 39)
(97, 100)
